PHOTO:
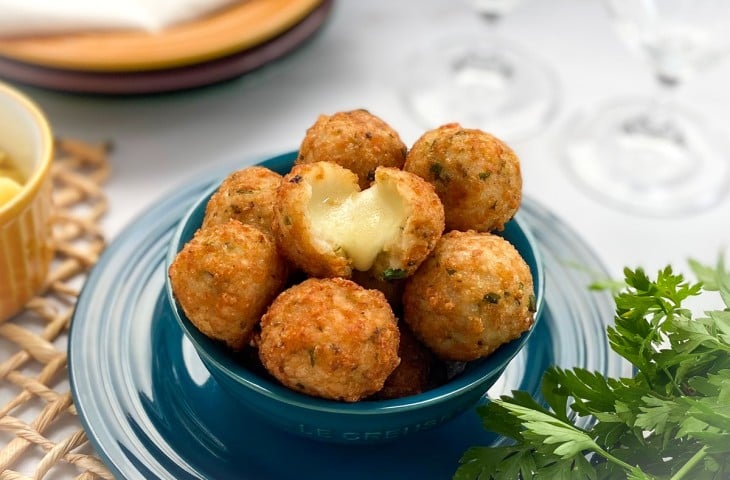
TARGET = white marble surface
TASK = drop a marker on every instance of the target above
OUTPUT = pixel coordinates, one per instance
(165, 140)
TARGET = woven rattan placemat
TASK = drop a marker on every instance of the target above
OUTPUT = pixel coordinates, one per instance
(40, 434)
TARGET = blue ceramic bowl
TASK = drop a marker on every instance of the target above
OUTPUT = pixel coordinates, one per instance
(368, 421)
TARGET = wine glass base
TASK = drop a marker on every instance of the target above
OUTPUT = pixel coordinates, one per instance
(485, 83)
(662, 165)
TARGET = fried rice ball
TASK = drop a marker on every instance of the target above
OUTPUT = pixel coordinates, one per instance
(476, 176)
(247, 195)
(392, 289)
(357, 140)
(326, 226)
(225, 277)
(330, 338)
(473, 294)
(413, 374)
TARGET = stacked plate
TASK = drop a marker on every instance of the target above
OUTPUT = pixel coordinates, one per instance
(151, 409)
(218, 47)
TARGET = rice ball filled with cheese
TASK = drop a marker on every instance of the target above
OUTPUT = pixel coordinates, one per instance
(357, 140)
(224, 279)
(330, 338)
(247, 195)
(476, 175)
(326, 226)
(474, 293)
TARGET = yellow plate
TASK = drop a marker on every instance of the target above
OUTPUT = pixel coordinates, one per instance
(230, 30)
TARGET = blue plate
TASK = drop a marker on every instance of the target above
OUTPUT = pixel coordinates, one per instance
(151, 409)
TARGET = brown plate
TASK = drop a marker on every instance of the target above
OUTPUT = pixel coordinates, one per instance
(230, 30)
(171, 79)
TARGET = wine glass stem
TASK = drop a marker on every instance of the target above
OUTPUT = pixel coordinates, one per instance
(665, 92)
(656, 121)
(491, 18)
(667, 82)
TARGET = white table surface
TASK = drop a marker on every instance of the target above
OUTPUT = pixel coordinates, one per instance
(163, 141)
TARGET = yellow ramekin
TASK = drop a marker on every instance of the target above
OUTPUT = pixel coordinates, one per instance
(26, 244)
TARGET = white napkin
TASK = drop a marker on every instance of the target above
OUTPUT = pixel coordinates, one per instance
(40, 17)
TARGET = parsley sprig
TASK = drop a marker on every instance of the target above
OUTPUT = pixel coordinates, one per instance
(671, 420)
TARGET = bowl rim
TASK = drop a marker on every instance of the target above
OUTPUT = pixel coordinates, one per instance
(468, 380)
(39, 122)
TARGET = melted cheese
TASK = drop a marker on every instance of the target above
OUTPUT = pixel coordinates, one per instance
(362, 223)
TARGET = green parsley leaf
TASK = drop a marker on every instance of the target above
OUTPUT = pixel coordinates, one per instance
(390, 274)
(669, 421)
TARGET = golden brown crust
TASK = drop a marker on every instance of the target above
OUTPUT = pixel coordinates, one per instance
(357, 140)
(420, 232)
(473, 294)
(303, 245)
(225, 277)
(476, 176)
(392, 289)
(462, 295)
(247, 195)
(413, 374)
(330, 338)
(293, 229)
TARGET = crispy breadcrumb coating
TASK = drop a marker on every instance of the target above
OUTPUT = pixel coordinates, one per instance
(225, 277)
(327, 226)
(413, 374)
(357, 140)
(473, 294)
(476, 175)
(247, 195)
(330, 338)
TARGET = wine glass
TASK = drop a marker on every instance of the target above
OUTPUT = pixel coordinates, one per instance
(481, 81)
(654, 156)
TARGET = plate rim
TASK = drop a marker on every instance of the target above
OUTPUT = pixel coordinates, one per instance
(231, 29)
(174, 78)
